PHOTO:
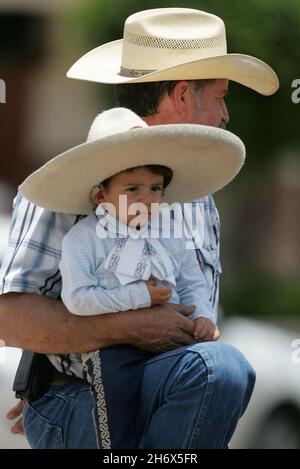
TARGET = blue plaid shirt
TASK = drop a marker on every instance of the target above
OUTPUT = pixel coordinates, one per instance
(31, 263)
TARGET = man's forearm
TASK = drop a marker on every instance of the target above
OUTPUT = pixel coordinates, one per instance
(44, 325)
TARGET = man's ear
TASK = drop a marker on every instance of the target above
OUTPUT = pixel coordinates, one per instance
(96, 195)
(181, 97)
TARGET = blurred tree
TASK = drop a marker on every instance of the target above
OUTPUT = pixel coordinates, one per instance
(256, 294)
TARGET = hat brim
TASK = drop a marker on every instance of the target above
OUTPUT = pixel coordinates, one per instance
(102, 65)
(203, 160)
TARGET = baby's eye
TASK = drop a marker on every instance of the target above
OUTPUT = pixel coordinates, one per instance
(156, 189)
(132, 189)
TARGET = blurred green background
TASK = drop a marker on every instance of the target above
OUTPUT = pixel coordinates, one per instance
(259, 211)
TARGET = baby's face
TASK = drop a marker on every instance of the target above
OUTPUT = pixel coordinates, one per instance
(140, 186)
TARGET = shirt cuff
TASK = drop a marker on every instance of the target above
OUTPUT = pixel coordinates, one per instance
(140, 296)
(18, 287)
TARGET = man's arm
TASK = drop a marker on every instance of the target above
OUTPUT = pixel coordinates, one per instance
(44, 325)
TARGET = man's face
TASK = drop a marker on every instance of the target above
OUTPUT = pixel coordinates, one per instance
(208, 106)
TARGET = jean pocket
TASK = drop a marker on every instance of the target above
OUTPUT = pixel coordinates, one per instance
(39, 432)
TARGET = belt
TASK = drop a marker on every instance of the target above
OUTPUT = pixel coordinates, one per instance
(60, 378)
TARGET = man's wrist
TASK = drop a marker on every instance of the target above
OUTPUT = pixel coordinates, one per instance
(126, 329)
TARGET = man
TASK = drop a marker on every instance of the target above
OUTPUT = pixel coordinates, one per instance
(171, 67)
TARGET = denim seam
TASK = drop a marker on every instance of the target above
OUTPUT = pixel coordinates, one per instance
(208, 393)
(64, 394)
(171, 353)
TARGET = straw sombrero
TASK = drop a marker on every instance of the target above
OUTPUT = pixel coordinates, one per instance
(173, 44)
(203, 160)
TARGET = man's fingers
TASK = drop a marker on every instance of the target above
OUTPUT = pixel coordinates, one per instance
(169, 329)
(15, 411)
(18, 428)
(180, 340)
(185, 339)
(185, 310)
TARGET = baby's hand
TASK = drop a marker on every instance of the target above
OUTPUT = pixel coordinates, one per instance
(158, 295)
(205, 330)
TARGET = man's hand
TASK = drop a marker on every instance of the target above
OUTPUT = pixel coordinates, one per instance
(45, 326)
(205, 330)
(158, 295)
(161, 328)
(12, 414)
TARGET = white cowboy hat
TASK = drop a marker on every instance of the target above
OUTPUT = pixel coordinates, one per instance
(203, 160)
(173, 44)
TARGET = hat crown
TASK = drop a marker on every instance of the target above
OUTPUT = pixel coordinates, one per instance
(112, 122)
(182, 23)
(162, 37)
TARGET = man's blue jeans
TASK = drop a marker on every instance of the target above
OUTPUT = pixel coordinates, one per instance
(191, 397)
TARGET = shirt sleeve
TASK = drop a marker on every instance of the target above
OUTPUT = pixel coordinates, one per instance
(205, 241)
(30, 264)
(81, 292)
(192, 287)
